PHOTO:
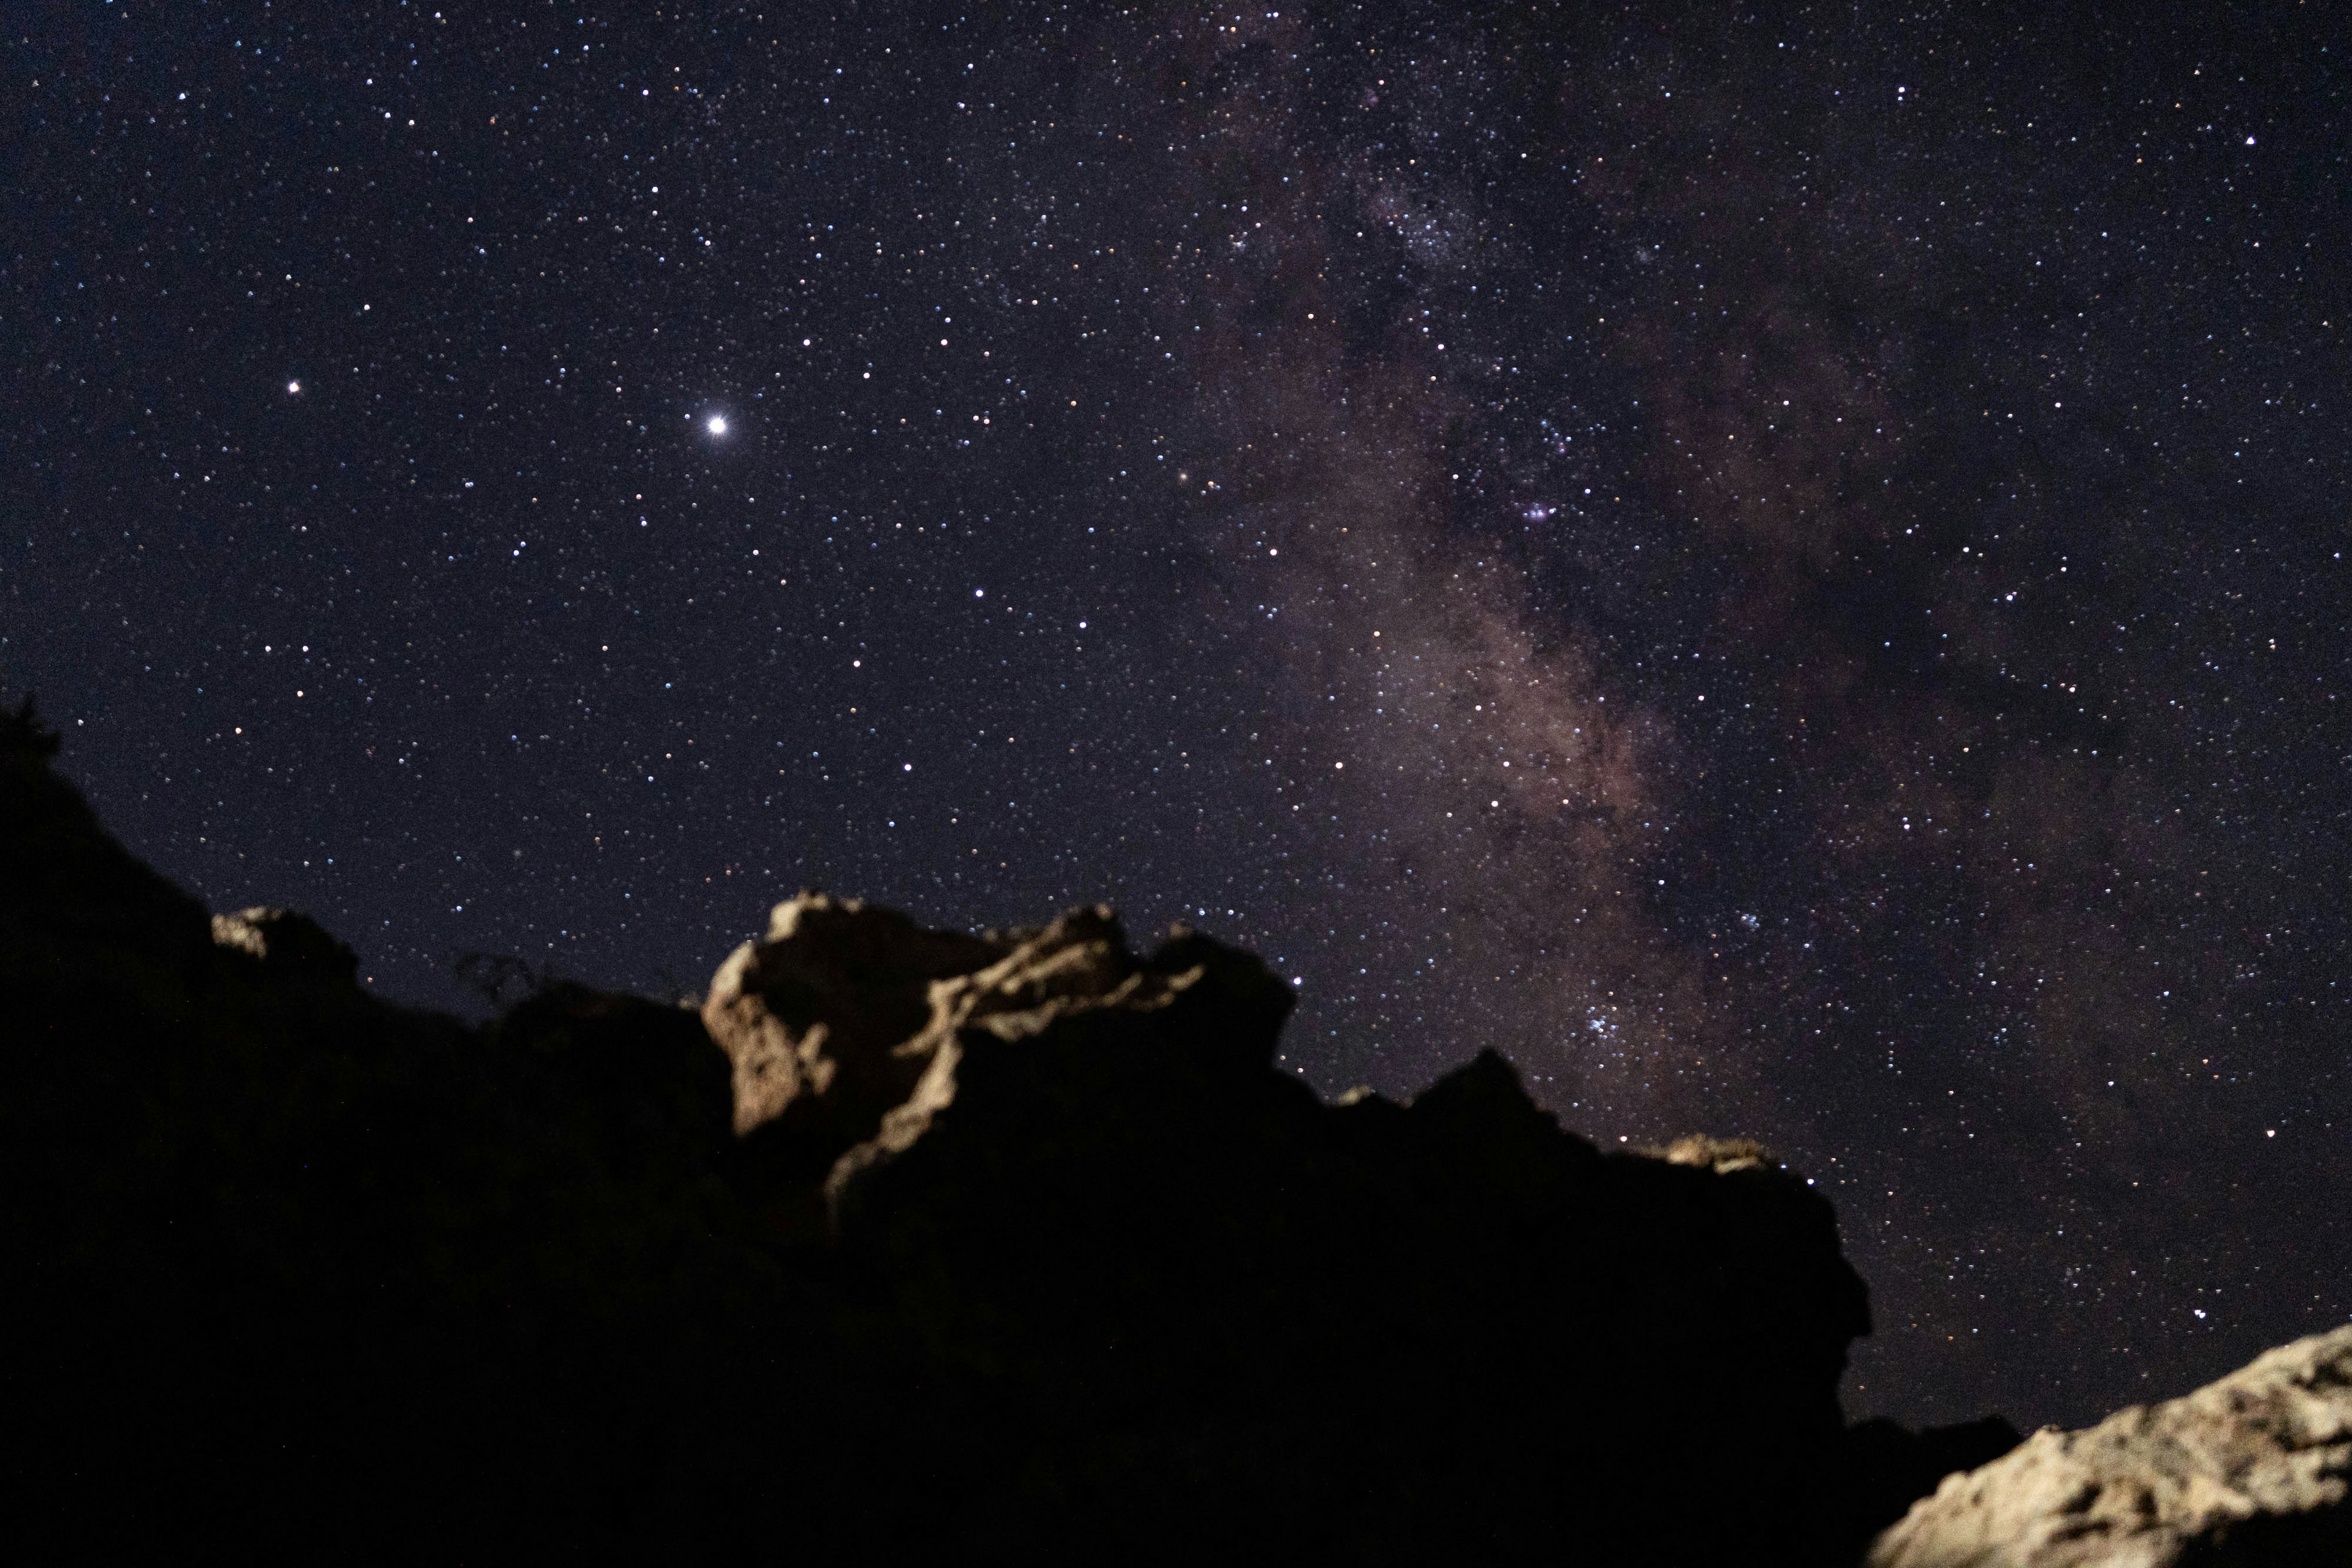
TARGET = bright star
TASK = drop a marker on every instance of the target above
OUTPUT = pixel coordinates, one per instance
(293, 386)
(717, 425)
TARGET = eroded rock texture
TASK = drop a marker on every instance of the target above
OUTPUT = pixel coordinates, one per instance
(288, 945)
(821, 1019)
(1016, 1245)
(2251, 1471)
(1096, 1205)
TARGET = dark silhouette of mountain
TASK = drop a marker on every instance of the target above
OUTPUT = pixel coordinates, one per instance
(1015, 1243)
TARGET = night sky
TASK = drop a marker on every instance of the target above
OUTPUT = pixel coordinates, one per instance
(1783, 566)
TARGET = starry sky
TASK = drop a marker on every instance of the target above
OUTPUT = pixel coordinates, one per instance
(1781, 566)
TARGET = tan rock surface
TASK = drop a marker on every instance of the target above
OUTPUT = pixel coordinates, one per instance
(1079, 963)
(828, 1007)
(286, 941)
(2251, 1471)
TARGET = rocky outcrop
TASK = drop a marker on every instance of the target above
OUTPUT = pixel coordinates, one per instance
(845, 1026)
(1100, 1209)
(1013, 1244)
(820, 1019)
(2252, 1471)
(287, 943)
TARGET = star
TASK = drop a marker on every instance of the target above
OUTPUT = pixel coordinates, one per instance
(1637, 521)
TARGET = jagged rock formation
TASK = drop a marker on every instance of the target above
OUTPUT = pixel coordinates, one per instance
(1091, 1192)
(845, 1026)
(1015, 1243)
(814, 1018)
(287, 943)
(2253, 1469)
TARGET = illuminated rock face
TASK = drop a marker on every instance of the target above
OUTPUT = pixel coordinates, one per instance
(288, 943)
(1012, 1244)
(2253, 1469)
(821, 1019)
(1102, 1211)
(848, 1026)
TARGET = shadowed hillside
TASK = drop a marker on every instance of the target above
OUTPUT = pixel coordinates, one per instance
(910, 1241)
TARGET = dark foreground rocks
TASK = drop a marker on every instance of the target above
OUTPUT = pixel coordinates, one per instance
(1014, 1245)
(2252, 1471)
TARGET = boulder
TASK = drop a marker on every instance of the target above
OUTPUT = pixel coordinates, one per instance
(821, 1019)
(2251, 1471)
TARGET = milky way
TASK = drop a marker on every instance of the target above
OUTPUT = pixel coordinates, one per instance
(1783, 569)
